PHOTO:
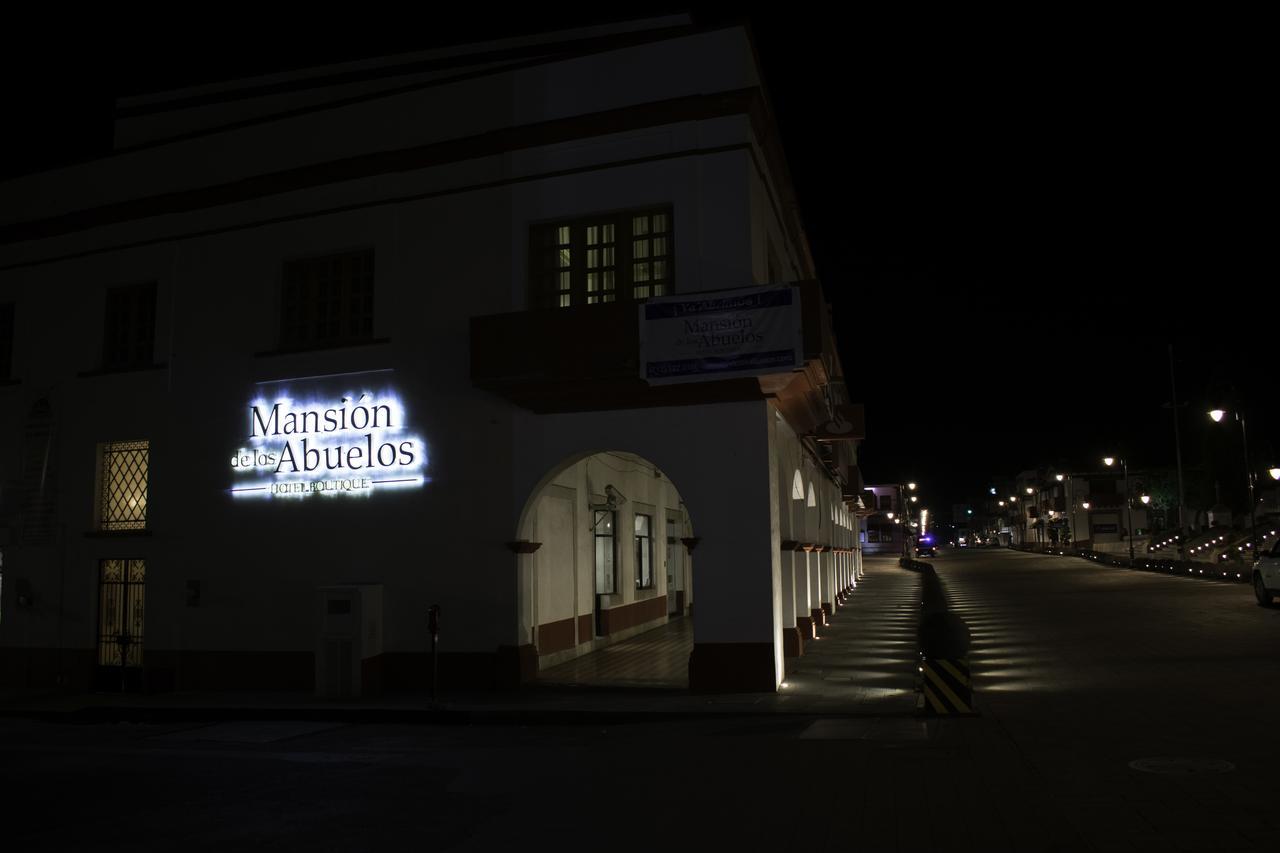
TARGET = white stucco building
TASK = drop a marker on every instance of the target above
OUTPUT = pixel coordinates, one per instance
(311, 353)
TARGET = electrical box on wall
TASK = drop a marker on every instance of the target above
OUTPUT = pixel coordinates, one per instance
(349, 642)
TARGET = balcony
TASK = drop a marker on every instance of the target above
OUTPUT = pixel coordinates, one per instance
(588, 358)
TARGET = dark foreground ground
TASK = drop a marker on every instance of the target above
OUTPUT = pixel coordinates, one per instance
(1081, 671)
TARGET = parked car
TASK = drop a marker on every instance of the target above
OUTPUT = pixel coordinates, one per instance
(1266, 574)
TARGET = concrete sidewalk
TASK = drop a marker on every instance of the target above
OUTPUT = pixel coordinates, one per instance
(863, 665)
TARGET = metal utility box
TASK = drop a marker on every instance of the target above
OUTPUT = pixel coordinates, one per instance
(349, 642)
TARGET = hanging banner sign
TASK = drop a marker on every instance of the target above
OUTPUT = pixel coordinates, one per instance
(302, 439)
(720, 335)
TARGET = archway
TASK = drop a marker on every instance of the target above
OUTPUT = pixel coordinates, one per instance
(606, 577)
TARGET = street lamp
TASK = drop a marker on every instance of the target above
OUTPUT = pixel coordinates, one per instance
(1274, 472)
(1218, 415)
(1128, 501)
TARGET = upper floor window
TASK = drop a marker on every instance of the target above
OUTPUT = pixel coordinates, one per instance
(607, 258)
(886, 502)
(129, 335)
(122, 496)
(6, 341)
(327, 300)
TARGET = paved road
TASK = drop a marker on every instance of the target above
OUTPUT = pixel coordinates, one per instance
(1080, 669)
(1088, 668)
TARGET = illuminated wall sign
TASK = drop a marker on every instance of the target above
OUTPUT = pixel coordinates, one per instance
(323, 442)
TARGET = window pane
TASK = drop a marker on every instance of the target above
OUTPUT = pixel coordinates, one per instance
(593, 235)
(604, 553)
(659, 269)
(642, 525)
(659, 222)
(593, 258)
(608, 233)
(659, 246)
(562, 235)
(564, 257)
(640, 272)
(640, 248)
(639, 226)
(328, 300)
(123, 500)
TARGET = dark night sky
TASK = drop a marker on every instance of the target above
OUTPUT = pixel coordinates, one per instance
(1012, 219)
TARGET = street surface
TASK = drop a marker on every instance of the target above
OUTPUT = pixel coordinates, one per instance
(1080, 670)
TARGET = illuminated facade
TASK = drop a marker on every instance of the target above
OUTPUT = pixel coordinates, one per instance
(306, 356)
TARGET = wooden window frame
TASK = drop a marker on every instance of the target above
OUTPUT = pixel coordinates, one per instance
(560, 280)
(645, 542)
(8, 311)
(310, 318)
(129, 326)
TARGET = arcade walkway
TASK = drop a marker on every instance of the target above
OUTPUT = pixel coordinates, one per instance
(863, 663)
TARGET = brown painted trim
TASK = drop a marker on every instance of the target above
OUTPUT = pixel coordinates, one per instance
(542, 53)
(492, 143)
(116, 371)
(819, 616)
(789, 544)
(523, 546)
(792, 642)
(680, 601)
(365, 205)
(586, 628)
(806, 546)
(827, 610)
(555, 636)
(732, 668)
(344, 345)
(617, 619)
(804, 624)
(515, 666)
(690, 542)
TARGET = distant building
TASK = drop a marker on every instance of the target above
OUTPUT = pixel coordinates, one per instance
(886, 530)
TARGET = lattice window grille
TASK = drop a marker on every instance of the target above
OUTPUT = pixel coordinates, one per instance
(124, 485)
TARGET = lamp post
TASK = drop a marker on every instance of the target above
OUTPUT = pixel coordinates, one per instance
(1128, 501)
(1069, 499)
(1217, 416)
(1030, 503)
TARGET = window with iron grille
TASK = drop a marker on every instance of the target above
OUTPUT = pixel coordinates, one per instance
(613, 257)
(328, 300)
(123, 498)
(6, 340)
(121, 612)
(606, 572)
(644, 551)
(129, 335)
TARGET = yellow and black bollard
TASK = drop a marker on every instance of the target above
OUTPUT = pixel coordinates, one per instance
(947, 686)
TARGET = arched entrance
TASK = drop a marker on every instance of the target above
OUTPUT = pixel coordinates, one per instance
(606, 577)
